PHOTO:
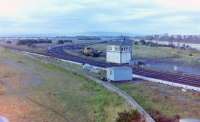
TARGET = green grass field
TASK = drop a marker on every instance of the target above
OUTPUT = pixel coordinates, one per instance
(187, 56)
(141, 51)
(62, 95)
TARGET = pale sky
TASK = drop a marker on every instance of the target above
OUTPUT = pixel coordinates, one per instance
(65, 17)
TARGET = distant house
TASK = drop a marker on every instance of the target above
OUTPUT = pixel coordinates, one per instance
(119, 74)
(119, 52)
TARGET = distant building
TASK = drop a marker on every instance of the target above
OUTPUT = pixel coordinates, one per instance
(119, 52)
(119, 74)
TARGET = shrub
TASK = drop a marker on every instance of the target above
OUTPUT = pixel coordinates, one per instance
(190, 54)
(132, 116)
(61, 42)
(142, 42)
(9, 42)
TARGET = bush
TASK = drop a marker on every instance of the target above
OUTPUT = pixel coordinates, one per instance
(9, 42)
(142, 42)
(135, 43)
(132, 116)
(61, 42)
(190, 54)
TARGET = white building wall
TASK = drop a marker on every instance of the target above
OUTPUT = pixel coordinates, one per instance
(113, 57)
(118, 54)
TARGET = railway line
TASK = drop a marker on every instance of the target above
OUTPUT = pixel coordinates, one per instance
(186, 79)
(169, 76)
(58, 52)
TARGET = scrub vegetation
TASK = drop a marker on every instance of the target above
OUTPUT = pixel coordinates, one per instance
(164, 100)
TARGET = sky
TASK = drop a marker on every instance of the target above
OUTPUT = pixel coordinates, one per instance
(71, 17)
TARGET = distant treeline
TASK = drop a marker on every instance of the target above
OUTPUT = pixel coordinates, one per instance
(88, 38)
(64, 41)
(170, 38)
(153, 44)
(33, 41)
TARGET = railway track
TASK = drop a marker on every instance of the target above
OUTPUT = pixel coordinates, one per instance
(58, 52)
(185, 79)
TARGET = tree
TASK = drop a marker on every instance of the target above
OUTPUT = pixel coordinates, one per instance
(143, 42)
(8, 42)
(61, 42)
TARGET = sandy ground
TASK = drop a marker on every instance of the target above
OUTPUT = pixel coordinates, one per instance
(15, 84)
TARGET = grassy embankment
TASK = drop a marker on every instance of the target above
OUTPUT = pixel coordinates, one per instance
(63, 95)
(168, 100)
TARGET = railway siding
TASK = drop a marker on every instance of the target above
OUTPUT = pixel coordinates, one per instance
(167, 82)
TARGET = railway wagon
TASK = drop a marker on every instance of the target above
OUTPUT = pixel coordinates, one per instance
(121, 73)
